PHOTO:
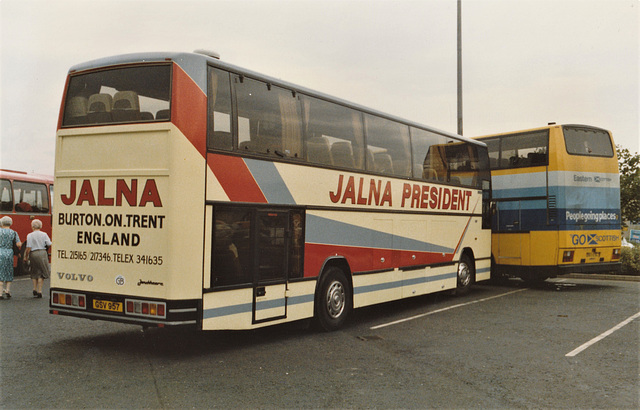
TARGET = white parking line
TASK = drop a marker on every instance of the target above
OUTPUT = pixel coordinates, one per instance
(443, 310)
(602, 336)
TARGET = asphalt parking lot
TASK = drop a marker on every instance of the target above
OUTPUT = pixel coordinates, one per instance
(570, 343)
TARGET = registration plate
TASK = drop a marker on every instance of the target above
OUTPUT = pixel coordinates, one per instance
(107, 305)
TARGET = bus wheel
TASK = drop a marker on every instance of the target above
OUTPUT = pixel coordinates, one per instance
(333, 302)
(465, 275)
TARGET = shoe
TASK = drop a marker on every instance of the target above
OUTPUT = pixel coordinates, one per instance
(8, 294)
(39, 296)
(35, 293)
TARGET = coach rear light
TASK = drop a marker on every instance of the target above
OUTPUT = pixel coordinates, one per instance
(567, 256)
(145, 308)
(616, 254)
(73, 300)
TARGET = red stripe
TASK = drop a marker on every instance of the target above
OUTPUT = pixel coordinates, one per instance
(362, 259)
(189, 109)
(235, 178)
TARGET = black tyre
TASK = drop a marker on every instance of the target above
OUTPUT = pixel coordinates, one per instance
(333, 300)
(465, 274)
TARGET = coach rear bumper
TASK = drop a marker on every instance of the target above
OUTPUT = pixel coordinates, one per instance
(124, 309)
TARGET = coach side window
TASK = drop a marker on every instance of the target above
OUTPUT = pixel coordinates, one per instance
(269, 120)
(387, 147)
(219, 119)
(423, 166)
(524, 150)
(334, 134)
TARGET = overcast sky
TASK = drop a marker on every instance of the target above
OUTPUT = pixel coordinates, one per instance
(525, 62)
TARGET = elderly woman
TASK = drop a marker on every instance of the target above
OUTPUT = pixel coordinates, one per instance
(36, 253)
(8, 238)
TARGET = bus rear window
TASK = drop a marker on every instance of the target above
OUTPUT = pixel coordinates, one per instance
(30, 197)
(588, 141)
(133, 94)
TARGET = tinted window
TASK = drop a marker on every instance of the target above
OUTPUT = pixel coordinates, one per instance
(269, 120)
(252, 244)
(120, 95)
(6, 200)
(30, 197)
(388, 147)
(458, 163)
(219, 109)
(421, 142)
(519, 150)
(588, 141)
(334, 134)
(232, 247)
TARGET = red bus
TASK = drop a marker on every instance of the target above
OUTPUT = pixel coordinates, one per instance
(25, 197)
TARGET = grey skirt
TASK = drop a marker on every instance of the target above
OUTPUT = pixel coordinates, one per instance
(39, 261)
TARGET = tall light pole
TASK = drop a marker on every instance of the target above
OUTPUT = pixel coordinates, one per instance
(459, 67)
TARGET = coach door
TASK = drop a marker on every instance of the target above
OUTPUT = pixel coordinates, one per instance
(279, 244)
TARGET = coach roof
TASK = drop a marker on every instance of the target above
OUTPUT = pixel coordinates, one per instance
(193, 64)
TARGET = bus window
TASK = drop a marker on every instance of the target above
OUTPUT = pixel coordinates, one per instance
(587, 141)
(519, 150)
(458, 163)
(232, 247)
(388, 146)
(421, 141)
(268, 119)
(493, 145)
(334, 134)
(133, 94)
(6, 201)
(30, 197)
(219, 118)
(252, 244)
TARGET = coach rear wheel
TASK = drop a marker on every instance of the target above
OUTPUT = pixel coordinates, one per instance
(333, 301)
(465, 275)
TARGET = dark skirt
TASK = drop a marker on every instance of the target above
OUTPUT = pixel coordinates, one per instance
(39, 261)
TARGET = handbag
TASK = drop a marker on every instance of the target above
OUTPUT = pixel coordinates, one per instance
(16, 250)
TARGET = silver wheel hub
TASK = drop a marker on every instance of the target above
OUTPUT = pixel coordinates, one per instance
(464, 274)
(335, 299)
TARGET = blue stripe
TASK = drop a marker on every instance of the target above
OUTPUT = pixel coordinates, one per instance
(567, 196)
(536, 219)
(328, 231)
(586, 197)
(519, 192)
(270, 182)
(400, 283)
(227, 310)
(248, 307)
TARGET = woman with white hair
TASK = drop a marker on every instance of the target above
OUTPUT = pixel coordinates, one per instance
(37, 244)
(8, 238)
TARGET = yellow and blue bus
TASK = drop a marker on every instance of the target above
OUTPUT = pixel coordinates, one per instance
(555, 202)
(194, 192)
